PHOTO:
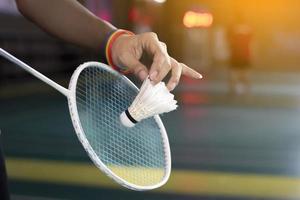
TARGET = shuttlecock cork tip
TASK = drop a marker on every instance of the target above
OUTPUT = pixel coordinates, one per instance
(127, 120)
(151, 100)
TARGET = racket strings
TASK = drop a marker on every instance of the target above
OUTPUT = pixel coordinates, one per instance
(134, 154)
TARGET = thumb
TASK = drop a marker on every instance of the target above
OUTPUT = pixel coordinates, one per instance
(141, 71)
(137, 68)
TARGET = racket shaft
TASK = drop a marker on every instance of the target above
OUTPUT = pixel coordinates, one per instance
(35, 73)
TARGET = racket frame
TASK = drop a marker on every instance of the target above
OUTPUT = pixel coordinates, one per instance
(35, 73)
(71, 96)
(93, 156)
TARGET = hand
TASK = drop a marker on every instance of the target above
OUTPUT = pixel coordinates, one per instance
(127, 52)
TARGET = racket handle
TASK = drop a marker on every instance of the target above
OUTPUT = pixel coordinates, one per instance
(35, 73)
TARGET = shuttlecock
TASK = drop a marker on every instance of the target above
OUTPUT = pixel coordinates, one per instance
(151, 100)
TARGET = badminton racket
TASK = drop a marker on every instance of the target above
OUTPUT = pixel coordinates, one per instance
(137, 158)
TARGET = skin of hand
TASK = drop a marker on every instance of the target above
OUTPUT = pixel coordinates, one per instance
(72, 22)
(128, 49)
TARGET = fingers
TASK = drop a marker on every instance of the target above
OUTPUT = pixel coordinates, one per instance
(161, 60)
(187, 71)
(177, 70)
(137, 67)
(162, 63)
(140, 70)
(160, 67)
(176, 74)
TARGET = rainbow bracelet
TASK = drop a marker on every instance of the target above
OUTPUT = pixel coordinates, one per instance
(108, 49)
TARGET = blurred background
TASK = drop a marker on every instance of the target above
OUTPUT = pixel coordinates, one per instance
(236, 134)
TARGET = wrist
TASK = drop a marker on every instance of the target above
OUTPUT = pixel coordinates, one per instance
(112, 47)
(116, 51)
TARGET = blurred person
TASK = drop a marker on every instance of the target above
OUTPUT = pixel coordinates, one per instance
(220, 45)
(70, 21)
(240, 37)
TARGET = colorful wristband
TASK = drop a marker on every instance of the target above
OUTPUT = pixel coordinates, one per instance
(102, 55)
(108, 49)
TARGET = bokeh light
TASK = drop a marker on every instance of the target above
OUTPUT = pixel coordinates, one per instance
(160, 1)
(194, 19)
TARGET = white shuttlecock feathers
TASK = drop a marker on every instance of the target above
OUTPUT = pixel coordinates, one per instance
(151, 100)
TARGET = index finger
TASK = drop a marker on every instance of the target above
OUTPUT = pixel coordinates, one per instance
(187, 71)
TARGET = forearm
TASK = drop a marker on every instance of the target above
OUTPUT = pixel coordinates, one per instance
(68, 20)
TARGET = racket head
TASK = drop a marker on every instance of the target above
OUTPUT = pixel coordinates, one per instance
(138, 158)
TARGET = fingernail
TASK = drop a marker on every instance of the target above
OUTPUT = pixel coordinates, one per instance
(143, 75)
(153, 75)
(199, 76)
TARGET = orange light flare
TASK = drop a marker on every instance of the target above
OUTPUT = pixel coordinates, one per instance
(194, 19)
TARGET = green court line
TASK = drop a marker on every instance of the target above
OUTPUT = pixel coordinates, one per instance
(181, 181)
